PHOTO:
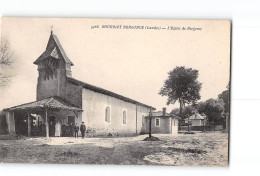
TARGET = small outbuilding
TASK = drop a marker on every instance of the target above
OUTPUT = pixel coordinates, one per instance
(196, 120)
(162, 123)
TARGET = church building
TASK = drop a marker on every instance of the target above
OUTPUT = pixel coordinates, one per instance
(65, 100)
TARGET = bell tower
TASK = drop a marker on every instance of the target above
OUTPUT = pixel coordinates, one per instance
(53, 67)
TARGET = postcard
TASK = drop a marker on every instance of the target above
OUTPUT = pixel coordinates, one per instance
(115, 91)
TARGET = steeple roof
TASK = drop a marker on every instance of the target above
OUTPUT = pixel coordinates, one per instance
(54, 50)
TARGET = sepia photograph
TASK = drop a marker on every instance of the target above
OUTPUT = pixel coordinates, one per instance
(115, 91)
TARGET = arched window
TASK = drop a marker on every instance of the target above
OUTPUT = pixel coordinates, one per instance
(124, 117)
(107, 114)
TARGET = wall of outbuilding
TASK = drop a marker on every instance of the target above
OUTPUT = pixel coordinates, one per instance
(163, 128)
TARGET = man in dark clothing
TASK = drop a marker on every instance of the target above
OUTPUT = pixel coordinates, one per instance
(76, 130)
(71, 129)
(83, 130)
(63, 130)
(43, 129)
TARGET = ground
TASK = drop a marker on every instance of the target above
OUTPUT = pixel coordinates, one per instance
(200, 149)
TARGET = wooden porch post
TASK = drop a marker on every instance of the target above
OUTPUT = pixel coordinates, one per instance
(10, 122)
(29, 124)
(46, 123)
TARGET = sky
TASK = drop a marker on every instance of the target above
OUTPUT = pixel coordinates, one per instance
(131, 62)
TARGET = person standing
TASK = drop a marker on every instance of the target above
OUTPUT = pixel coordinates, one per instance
(43, 129)
(82, 129)
(57, 129)
(34, 129)
(63, 130)
(71, 127)
(76, 130)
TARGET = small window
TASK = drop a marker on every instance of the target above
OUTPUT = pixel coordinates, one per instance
(124, 117)
(157, 122)
(107, 114)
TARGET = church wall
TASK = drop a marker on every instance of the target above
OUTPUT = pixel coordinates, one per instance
(94, 107)
(74, 94)
(141, 120)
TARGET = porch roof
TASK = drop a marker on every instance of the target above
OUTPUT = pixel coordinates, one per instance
(54, 102)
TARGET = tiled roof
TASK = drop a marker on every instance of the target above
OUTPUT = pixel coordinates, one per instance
(53, 49)
(51, 102)
(107, 92)
(160, 114)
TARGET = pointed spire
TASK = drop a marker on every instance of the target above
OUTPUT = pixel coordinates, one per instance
(53, 49)
(51, 29)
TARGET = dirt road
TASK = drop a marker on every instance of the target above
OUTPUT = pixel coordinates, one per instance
(201, 149)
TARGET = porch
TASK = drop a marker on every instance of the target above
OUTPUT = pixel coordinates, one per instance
(40, 118)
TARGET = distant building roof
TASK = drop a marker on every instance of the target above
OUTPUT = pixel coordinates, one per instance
(51, 102)
(107, 92)
(53, 49)
(196, 116)
(160, 114)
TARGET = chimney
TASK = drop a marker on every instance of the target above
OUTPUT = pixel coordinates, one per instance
(164, 111)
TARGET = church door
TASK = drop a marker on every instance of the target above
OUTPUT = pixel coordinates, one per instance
(71, 120)
(52, 123)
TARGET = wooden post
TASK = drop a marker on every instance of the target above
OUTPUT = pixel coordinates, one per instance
(10, 122)
(46, 123)
(203, 125)
(150, 124)
(29, 124)
(171, 124)
(188, 124)
(136, 118)
(29, 129)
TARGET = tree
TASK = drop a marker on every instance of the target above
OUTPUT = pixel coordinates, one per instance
(213, 109)
(175, 111)
(186, 112)
(182, 86)
(6, 61)
(224, 96)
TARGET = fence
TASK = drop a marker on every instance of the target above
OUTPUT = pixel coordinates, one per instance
(202, 128)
